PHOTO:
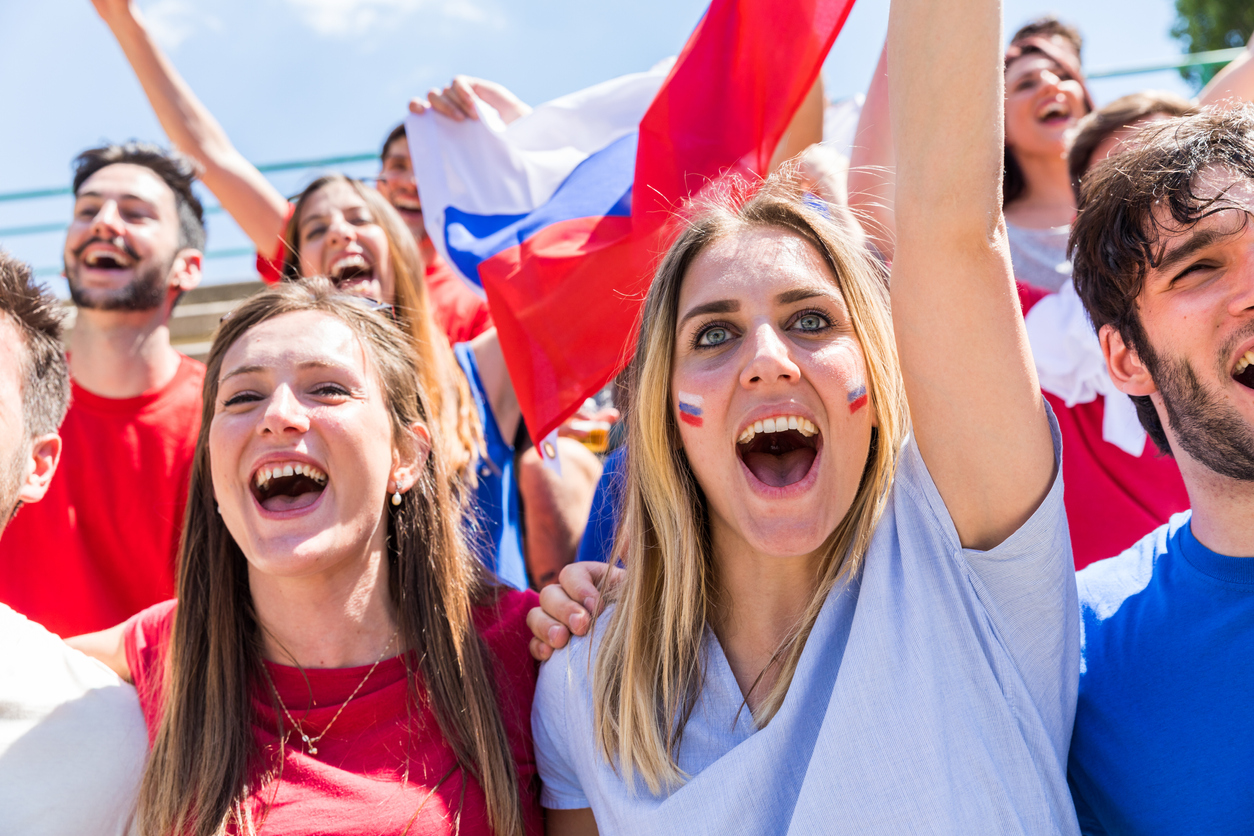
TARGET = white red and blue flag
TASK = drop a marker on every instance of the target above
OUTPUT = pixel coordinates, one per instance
(560, 217)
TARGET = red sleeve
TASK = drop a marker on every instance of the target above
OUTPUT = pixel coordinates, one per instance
(1029, 295)
(146, 637)
(503, 625)
(271, 268)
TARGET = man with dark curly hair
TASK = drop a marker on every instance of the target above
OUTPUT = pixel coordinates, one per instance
(1163, 251)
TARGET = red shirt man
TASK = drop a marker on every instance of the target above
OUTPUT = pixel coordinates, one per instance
(107, 532)
(103, 543)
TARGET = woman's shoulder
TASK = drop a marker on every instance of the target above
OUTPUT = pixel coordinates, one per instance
(504, 610)
(146, 637)
(501, 620)
(148, 631)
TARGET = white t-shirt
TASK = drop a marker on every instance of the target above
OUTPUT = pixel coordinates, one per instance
(72, 737)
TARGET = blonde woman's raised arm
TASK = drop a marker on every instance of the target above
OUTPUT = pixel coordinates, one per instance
(245, 193)
(974, 398)
(872, 166)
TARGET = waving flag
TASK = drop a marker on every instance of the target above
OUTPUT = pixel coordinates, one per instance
(560, 216)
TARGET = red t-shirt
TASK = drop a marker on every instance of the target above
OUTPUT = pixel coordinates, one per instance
(458, 310)
(1112, 498)
(355, 784)
(103, 542)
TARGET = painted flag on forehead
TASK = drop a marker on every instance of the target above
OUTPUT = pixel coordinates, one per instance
(561, 216)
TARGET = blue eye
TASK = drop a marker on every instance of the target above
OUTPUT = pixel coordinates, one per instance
(811, 321)
(714, 335)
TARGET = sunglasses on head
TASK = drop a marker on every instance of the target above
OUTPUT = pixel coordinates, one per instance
(360, 301)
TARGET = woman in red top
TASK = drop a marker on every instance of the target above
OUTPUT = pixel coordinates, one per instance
(337, 661)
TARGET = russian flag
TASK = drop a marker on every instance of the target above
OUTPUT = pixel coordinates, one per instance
(560, 217)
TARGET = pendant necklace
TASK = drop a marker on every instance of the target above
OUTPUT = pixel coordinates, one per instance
(311, 742)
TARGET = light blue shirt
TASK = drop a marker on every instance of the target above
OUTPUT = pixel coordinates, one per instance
(935, 694)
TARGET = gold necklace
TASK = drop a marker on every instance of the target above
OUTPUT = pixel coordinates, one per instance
(310, 741)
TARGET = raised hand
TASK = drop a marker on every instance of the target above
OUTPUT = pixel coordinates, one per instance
(457, 100)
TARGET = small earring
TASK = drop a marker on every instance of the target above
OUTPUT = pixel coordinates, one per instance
(396, 498)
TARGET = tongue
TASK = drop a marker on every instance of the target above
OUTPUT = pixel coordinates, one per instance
(779, 470)
(283, 502)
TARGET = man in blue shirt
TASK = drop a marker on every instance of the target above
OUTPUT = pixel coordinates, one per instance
(1163, 251)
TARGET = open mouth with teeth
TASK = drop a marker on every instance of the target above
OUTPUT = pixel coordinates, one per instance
(102, 259)
(350, 269)
(1054, 113)
(285, 486)
(407, 204)
(1244, 371)
(779, 451)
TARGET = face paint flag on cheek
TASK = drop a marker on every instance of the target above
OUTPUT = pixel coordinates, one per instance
(690, 409)
(857, 398)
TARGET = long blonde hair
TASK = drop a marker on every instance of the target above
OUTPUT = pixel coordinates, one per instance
(449, 392)
(648, 668)
(205, 762)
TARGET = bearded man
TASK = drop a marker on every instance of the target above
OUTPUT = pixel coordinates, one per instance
(102, 544)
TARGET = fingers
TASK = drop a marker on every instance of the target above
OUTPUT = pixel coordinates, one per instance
(419, 105)
(563, 612)
(580, 582)
(548, 634)
(463, 96)
(539, 650)
(559, 615)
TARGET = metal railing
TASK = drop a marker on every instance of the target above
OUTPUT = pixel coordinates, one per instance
(1211, 58)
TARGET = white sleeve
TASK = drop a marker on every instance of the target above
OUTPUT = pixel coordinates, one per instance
(550, 728)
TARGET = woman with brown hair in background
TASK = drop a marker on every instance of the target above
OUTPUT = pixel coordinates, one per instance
(335, 231)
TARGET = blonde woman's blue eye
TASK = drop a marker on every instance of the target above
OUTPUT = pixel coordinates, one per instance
(713, 336)
(811, 322)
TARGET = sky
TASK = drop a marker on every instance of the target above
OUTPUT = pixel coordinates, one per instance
(302, 79)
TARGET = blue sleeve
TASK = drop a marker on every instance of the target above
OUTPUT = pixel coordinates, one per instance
(550, 731)
(598, 536)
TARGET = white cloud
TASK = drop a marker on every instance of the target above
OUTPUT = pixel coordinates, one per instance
(353, 18)
(173, 21)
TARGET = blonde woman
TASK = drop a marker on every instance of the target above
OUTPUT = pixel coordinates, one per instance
(848, 604)
(336, 660)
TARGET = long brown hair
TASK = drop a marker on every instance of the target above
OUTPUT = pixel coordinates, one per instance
(446, 387)
(205, 762)
(648, 669)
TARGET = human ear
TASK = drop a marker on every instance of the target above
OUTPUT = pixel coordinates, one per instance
(39, 467)
(1128, 372)
(409, 459)
(186, 273)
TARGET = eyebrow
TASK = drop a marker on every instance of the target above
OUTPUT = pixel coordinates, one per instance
(721, 306)
(1198, 241)
(254, 368)
(120, 197)
(789, 297)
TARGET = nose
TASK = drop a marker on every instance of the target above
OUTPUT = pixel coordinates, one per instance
(1050, 81)
(771, 359)
(107, 222)
(284, 414)
(341, 231)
